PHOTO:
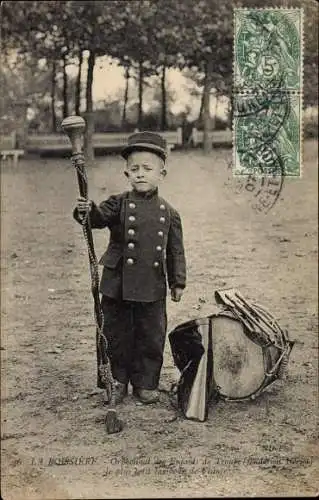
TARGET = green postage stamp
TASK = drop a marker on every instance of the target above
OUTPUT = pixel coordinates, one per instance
(267, 94)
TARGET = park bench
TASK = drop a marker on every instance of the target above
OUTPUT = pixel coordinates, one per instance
(218, 137)
(114, 141)
(8, 148)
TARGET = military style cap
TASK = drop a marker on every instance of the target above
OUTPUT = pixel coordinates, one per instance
(146, 141)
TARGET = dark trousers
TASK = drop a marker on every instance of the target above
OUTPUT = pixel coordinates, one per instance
(136, 337)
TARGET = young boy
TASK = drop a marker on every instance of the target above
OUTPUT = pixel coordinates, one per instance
(145, 248)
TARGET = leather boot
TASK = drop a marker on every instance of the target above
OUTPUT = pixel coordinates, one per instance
(146, 396)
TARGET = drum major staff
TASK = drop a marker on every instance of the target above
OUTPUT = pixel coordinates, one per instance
(145, 251)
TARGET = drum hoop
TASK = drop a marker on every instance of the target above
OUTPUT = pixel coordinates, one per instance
(253, 395)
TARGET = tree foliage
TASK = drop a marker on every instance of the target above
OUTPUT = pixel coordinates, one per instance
(146, 37)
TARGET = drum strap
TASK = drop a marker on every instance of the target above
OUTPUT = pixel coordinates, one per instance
(260, 326)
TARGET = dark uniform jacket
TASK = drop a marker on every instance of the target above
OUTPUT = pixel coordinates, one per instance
(145, 246)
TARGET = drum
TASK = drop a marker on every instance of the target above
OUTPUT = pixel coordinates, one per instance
(228, 356)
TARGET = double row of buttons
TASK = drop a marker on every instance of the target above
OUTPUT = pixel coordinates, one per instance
(131, 232)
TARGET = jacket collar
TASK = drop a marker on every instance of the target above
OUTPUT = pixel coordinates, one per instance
(143, 196)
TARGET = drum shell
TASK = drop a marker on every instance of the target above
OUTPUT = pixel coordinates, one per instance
(242, 367)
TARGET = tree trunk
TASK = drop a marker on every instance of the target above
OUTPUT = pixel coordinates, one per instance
(65, 90)
(207, 143)
(53, 95)
(88, 144)
(20, 107)
(164, 99)
(140, 96)
(78, 85)
(127, 77)
(215, 112)
(200, 115)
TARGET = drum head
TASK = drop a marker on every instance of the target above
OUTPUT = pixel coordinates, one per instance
(238, 362)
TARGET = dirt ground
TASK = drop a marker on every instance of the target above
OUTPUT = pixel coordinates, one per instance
(50, 408)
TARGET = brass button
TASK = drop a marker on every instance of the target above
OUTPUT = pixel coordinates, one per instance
(160, 233)
(131, 218)
(131, 232)
(158, 248)
(156, 264)
(130, 262)
(162, 219)
(131, 245)
(132, 205)
(162, 207)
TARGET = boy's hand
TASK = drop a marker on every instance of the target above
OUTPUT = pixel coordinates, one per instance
(83, 206)
(176, 294)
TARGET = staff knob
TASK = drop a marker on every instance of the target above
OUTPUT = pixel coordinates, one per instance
(74, 127)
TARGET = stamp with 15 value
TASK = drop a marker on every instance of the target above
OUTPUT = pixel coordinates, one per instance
(267, 95)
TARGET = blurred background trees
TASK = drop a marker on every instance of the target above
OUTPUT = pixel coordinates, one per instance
(41, 41)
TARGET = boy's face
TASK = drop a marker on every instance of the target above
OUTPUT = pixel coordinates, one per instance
(144, 170)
